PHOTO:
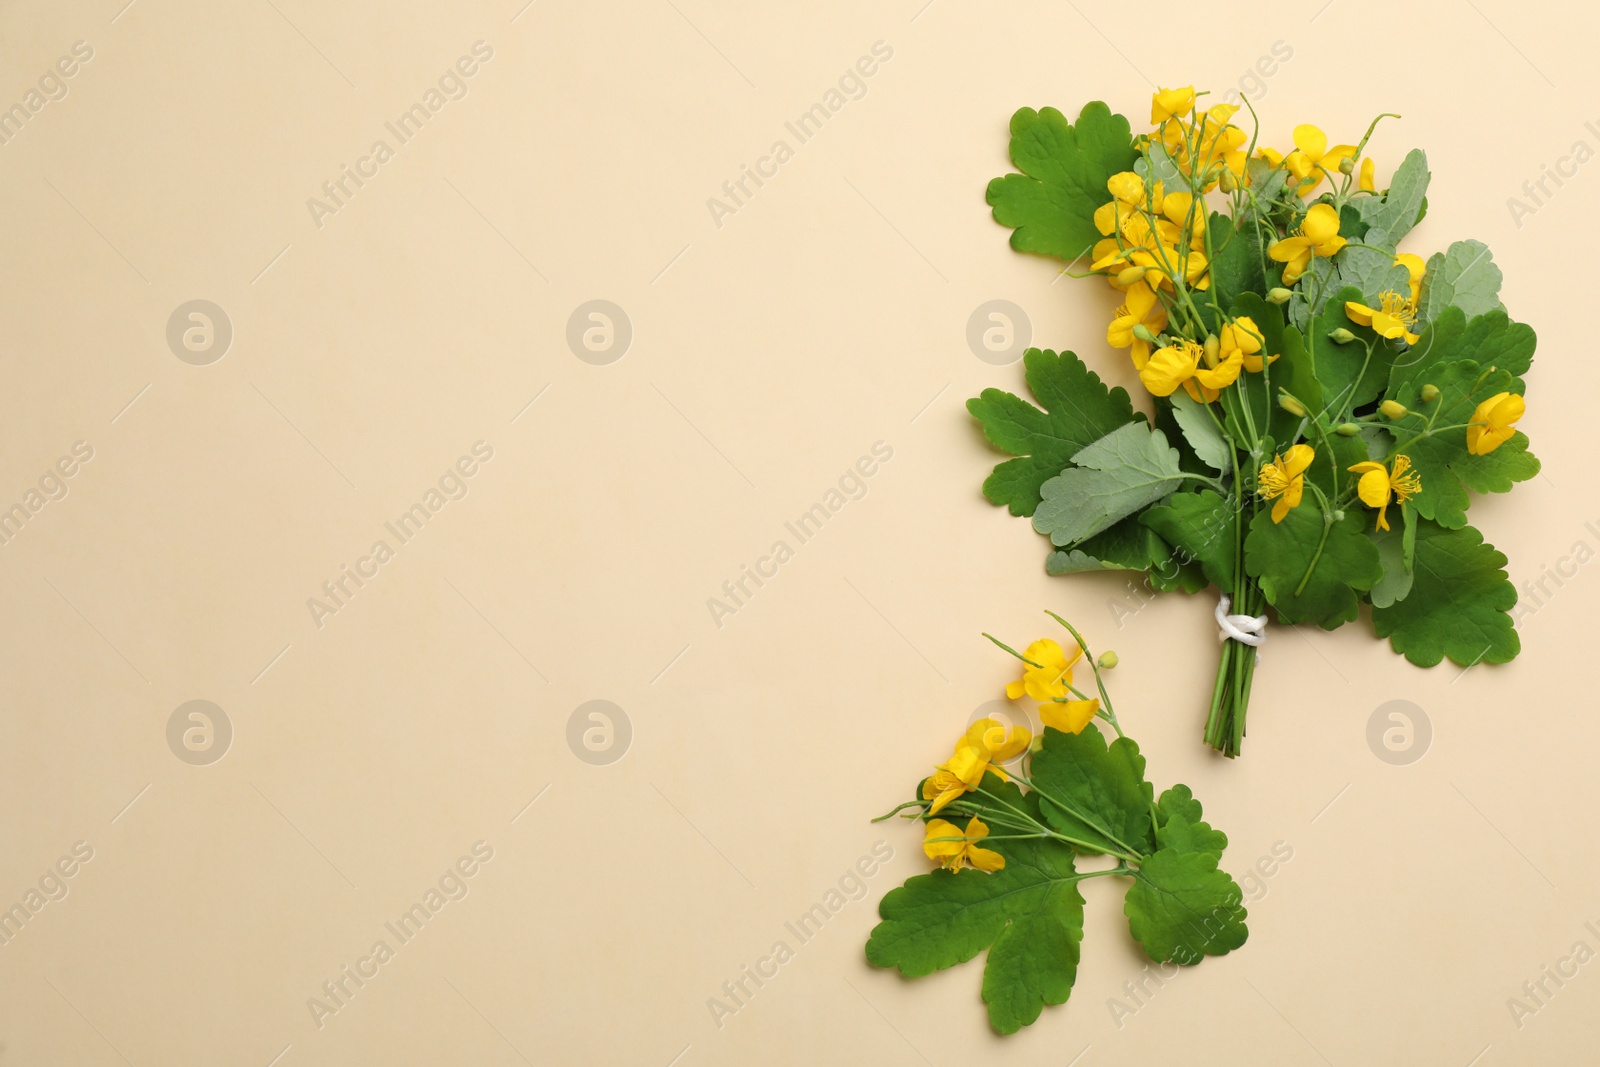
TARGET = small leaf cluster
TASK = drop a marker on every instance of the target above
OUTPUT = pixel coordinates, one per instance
(1082, 798)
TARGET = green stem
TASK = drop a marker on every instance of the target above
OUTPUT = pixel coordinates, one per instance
(1014, 652)
(902, 807)
(1327, 524)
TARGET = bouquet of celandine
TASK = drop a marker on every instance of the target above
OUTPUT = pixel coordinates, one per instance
(1324, 403)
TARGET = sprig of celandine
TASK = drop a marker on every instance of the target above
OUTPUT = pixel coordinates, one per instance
(1015, 893)
(1203, 298)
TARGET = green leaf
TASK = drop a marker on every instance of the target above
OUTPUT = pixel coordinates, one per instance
(1202, 432)
(1371, 269)
(1179, 800)
(1180, 835)
(1093, 793)
(1396, 549)
(1201, 527)
(1240, 263)
(1330, 469)
(1127, 469)
(1029, 915)
(1182, 826)
(1266, 181)
(1182, 908)
(1124, 546)
(1178, 575)
(1463, 276)
(1403, 203)
(1491, 339)
(1161, 167)
(1349, 375)
(1446, 469)
(1459, 602)
(1065, 168)
(1078, 410)
(1279, 556)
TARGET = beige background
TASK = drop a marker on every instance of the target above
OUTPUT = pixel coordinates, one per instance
(768, 354)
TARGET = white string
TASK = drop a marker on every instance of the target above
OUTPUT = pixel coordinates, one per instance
(1248, 629)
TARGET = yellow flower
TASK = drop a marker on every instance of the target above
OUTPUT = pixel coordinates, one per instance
(1206, 140)
(1069, 716)
(1312, 160)
(1184, 363)
(1171, 104)
(1393, 317)
(1127, 198)
(1377, 484)
(1395, 314)
(1143, 308)
(1491, 424)
(1318, 235)
(944, 842)
(1367, 169)
(1284, 479)
(1051, 677)
(1245, 336)
(985, 745)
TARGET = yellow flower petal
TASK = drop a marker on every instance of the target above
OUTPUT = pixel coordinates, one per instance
(1127, 187)
(985, 859)
(1171, 103)
(942, 788)
(1298, 459)
(1310, 140)
(1223, 374)
(1321, 225)
(1359, 314)
(939, 849)
(1069, 717)
(1373, 488)
(1491, 423)
(1005, 746)
(1288, 249)
(1169, 367)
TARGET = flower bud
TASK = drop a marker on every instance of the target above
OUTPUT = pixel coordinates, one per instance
(1107, 660)
(1338, 515)
(1036, 744)
(1229, 181)
(1392, 409)
(1142, 332)
(1212, 348)
(1278, 295)
(1347, 165)
(1341, 336)
(1291, 405)
(1129, 275)
(1347, 429)
(1430, 393)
